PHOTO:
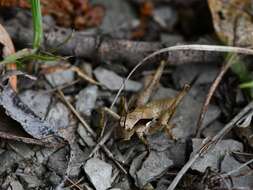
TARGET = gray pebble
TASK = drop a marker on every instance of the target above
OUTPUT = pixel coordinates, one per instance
(86, 100)
(113, 81)
(61, 77)
(85, 136)
(165, 16)
(154, 166)
(99, 173)
(58, 115)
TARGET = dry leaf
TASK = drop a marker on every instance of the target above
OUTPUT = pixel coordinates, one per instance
(8, 49)
(68, 13)
(232, 21)
(10, 3)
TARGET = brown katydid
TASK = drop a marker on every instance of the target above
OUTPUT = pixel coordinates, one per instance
(158, 113)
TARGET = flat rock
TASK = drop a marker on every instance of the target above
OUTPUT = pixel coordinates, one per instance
(206, 73)
(85, 136)
(58, 115)
(153, 167)
(118, 18)
(187, 113)
(6, 180)
(215, 127)
(8, 159)
(113, 81)
(42, 155)
(99, 173)
(22, 149)
(58, 161)
(136, 164)
(159, 141)
(245, 179)
(76, 160)
(199, 92)
(212, 158)
(39, 170)
(15, 185)
(30, 181)
(59, 78)
(175, 150)
(54, 179)
(165, 16)
(86, 100)
(37, 101)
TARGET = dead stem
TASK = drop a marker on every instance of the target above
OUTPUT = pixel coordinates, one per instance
(210, 93)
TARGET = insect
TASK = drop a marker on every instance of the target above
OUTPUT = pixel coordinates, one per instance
(152, 117)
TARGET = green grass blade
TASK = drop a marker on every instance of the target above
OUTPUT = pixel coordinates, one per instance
(247, 85)
(37, 23)
(18, 55)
